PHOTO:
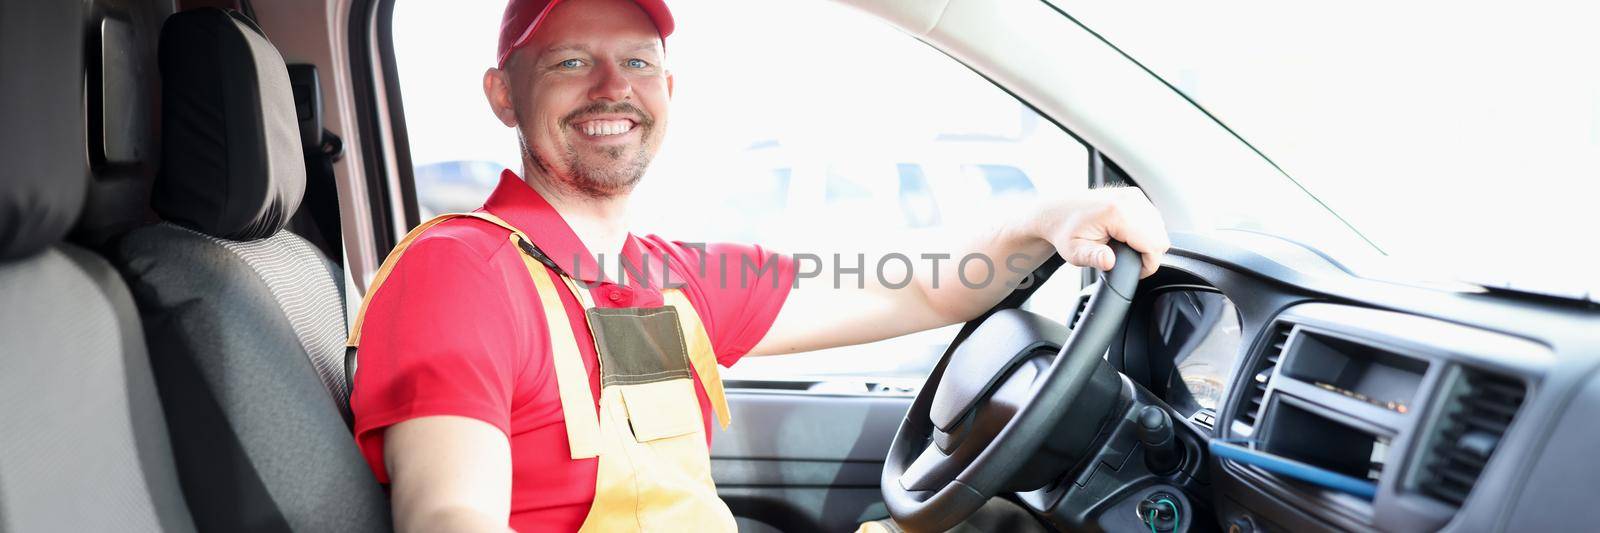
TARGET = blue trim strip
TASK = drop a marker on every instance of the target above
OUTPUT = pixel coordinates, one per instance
(1287, 467)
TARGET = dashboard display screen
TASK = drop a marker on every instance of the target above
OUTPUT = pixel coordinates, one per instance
(1194, 339)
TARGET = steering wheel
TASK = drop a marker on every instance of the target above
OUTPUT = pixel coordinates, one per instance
(981, 417)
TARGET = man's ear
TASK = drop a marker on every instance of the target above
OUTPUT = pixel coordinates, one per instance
(669, 85)
(497, 88)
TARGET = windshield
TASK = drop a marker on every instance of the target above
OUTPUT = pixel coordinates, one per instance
(1471, 148)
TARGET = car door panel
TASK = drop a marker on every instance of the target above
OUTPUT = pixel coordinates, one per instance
(798, 461)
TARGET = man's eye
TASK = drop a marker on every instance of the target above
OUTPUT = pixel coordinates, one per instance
(571, 63)
(637, 63)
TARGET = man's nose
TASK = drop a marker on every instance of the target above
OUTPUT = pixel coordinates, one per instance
(612, 84)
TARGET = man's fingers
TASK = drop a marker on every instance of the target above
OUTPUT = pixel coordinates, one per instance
(1151, 263)
(1100, 256)
(1140, 225)
(1127, 216)
(1093, 255)
(1145, 236)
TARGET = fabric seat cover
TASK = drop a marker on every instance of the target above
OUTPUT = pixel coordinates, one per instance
(245, 320)
(83, 444)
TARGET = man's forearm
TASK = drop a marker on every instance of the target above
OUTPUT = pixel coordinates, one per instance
(1078, 227)
(965, 281)
(933, 286)
(959, 282)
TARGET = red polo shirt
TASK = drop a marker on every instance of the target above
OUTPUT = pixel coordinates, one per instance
(458, 330)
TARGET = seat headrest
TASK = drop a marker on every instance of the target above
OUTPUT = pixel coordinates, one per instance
(231, 166)
(43, 169)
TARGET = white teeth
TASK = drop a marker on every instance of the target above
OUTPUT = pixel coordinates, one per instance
(600, 128)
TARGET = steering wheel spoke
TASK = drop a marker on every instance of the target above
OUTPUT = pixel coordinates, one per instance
(930, 471)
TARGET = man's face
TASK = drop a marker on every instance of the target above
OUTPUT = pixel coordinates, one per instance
(589, 95)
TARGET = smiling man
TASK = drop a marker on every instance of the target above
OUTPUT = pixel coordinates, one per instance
(505, 380)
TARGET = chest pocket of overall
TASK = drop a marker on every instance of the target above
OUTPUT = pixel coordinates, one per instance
(644, 359)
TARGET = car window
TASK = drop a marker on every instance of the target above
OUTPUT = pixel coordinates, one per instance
(1426, 142)
(1003, 179)
(868, 136)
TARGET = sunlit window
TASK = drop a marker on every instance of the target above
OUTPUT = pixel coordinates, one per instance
(778, 136)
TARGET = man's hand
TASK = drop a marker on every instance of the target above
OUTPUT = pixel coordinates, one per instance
(820, 314)
(1080, 228)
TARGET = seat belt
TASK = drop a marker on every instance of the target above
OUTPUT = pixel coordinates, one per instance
(318, 218)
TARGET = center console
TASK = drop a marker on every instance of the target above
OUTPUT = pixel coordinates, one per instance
(1368, 419)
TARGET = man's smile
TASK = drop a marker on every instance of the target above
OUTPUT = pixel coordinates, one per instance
(605, 145)
(605, 129)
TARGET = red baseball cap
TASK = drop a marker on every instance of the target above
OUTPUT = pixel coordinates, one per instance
(522, 17)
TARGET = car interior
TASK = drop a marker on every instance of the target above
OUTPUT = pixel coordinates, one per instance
(196, 193)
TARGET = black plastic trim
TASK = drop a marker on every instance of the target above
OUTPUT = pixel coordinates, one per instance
(401, 140)
(366, 17)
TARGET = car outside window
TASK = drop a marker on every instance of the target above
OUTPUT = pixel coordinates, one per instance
(800, 144)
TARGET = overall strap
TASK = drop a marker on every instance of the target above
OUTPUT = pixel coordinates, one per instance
(394, 257)
(701, 356)
(577, 401)
(572, 380)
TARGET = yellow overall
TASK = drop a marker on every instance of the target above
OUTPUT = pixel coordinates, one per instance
(654, 469)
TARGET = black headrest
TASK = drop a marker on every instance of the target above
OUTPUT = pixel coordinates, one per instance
(231, 160)
(43, 169)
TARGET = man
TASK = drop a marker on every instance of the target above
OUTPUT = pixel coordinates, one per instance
(470, 401)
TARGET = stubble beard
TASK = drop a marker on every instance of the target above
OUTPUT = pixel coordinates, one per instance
(605, 173)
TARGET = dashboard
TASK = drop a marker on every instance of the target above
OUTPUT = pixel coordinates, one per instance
(1332, 402)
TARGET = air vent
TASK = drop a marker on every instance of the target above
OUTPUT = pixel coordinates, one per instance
(1262, 374)
(1475, 418)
